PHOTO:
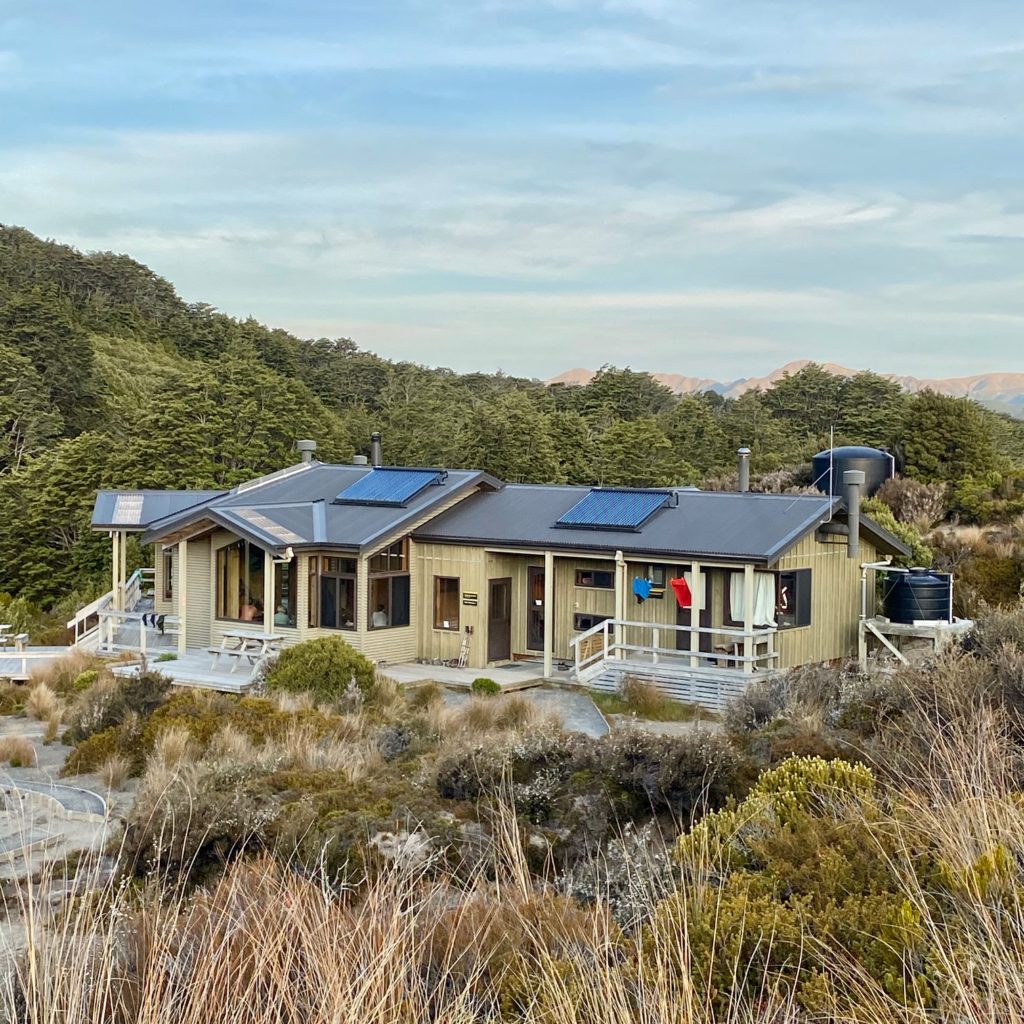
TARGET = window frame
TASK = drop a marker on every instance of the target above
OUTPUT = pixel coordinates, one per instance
(597, 618)
(803, 598)
(167, 561)
(318, 572)
(291, 591)
(220, 595)
(594, 573)
(454, 621)
(397, 554)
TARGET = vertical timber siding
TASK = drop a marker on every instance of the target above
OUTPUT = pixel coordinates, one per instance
(835, 601)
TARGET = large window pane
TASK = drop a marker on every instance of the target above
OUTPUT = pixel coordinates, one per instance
(389, 601)
(446, 602)
(240, 582)
(286, 588)
(332, 592)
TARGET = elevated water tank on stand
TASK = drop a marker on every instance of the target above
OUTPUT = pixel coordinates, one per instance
(918, 595)
(828, 468)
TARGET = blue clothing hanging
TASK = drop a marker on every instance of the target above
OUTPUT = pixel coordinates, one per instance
(642, 588)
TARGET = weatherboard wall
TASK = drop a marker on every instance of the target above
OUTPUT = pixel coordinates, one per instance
(835, 601)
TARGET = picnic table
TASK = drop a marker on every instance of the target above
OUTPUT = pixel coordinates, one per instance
(237, 644)
(8, 638)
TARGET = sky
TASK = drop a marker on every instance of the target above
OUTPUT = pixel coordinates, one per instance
(705, 188)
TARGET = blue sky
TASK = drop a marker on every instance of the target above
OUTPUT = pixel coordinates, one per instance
(706, 188)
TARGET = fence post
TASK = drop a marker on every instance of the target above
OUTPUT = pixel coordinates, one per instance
(656, 645)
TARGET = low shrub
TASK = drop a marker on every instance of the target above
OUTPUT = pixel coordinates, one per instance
(42, 702)
(325, 667)
(166, 656)
(484, 687)
(12, 698)
(425, 696)
(109, 701)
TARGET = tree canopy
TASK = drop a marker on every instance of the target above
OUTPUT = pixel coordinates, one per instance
(109, 379)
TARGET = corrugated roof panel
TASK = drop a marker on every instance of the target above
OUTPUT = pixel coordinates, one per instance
(389, 486)
(614, 508)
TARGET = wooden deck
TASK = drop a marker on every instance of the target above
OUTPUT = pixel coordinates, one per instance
(193, 669)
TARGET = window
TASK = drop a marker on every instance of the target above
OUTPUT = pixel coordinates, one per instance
(793, 599)
(168, 573)
(392, 559)
(601, 579)
(446, 602)
(389, 587)
(658, 575)
(240, 568)
(286, 589)
(782, 597)
(332, 592)
(583, 621)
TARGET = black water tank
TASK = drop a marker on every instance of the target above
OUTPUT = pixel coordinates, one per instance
(916, 596)
(875, 464)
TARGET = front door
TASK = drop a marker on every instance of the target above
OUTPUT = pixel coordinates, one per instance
(499, 620)
(535, 610)
(685, 616)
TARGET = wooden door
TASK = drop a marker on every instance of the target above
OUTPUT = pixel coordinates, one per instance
(535, 610)
(685, 616)
(499, 619)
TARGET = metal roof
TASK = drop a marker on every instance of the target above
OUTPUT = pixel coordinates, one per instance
(724, 525)
(135, 510)
(296, 508)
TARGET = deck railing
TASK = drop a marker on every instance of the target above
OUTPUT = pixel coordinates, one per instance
(135, 631)
(604, 642)
(86, 624)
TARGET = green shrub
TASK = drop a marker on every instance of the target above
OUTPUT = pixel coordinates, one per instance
(325, 667)
(167, 656)
(484, 687)
(85, 679)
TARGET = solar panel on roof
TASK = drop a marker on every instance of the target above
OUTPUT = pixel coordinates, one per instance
(614, 508)
(127, 509)
(385, 485)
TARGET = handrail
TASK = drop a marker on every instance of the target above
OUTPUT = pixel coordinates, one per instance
(616, 647)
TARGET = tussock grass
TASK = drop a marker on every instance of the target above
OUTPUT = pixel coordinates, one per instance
(42, 703)
(17, 752)
(114, 771)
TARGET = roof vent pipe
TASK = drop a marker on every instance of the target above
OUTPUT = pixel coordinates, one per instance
(376, 449)
(853, 481)
(305, 450)
(744, 469)
(360, 460)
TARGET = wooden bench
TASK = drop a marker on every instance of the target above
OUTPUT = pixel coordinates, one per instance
(234, 653)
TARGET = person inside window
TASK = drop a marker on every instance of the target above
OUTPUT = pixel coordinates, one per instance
(249, 612)
(379, 617)
(281, 616)
(347, 619)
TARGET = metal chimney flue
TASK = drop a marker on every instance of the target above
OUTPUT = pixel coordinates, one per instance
(376, 449)
(305, 449)
(853, 482)
(743, 456)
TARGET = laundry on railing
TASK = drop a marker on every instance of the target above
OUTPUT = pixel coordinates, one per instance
(153, 619)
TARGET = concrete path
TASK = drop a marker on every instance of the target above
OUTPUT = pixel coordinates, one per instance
(517, 676)
(71, 798)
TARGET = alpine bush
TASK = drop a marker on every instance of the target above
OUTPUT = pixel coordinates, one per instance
(324, 667)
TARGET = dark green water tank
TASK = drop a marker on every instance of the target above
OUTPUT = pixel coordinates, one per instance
(917, 596)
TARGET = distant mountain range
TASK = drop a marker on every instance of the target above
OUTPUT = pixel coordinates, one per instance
(1001, 391)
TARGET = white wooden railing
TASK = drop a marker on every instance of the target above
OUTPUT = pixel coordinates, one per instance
(88, 621)
(19, 665)
(601, 643)
(116, 631)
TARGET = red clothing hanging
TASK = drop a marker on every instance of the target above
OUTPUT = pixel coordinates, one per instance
(682, 591)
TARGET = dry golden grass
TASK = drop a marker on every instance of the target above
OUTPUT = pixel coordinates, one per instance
(114, 771)
(173, 746)
(42, 703)
(61, 674)
(17, 752)
(304, 749)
